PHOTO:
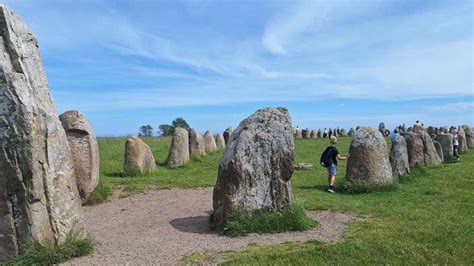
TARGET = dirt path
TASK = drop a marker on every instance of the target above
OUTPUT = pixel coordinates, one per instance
(164, 225)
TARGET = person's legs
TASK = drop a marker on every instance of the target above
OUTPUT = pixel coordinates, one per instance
(331, 177)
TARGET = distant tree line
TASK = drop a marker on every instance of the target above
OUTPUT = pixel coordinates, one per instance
(164, 129)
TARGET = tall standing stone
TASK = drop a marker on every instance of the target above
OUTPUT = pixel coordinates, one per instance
(415, 148)
(446, 141)
(85, 151)
(343, 132)
(306, 133)
(139, 158)
(220, 141)
(298, 134)
(399, 157)
(368, 164)
(255, 172)
(462, 140)
(39, 200)
(430, 154)
(351, 132)
(227, 133)
(468, 132)
(439, 150)
(178, 155)
(209, 142)
(196, 143)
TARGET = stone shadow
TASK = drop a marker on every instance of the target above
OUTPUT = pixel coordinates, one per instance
(196, 225)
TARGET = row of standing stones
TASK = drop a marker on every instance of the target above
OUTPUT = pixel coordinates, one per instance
(139, 158)
(316, 134)
(48, 164)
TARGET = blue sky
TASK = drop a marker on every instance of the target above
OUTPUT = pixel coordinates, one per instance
(331, 63)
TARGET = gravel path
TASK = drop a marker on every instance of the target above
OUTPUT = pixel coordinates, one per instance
(164, 225)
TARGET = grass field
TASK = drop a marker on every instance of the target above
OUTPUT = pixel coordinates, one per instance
(428, 218)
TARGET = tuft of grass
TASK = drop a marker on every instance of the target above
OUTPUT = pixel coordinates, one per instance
(101, 193)
(76, 244)
(450, 159)
(294, 219)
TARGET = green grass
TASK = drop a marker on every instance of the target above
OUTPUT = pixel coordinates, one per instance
(76, 244)
(427, 219)
(294, 219)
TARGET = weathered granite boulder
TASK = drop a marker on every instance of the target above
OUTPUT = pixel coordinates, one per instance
(255, 171)
(139, 159)
(343, 133)
(306, 133)
(462, 140)
(39, 201)
(298, 134)
(178, 155)
(351, 132)
(196, 143)
(415, 148)
(220, 141)
(439, 150)
(399, 157)
(417, 128)
(446, 141)
(430, 155)
(468, 132)
(209, 142)
(444, 129)
(227, 133)
(85, 151)
(431, 130)
(368, 163)
(303, 166)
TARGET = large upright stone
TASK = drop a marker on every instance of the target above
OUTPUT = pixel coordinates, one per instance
(439, 150)
(196, 143)
(462, 140)
(39, 200)
(306, 133)
(415, 148)
(298, 134)
(139, 158)
(430, 154)
(178, 155)
(417, 128)
(468, 132)
(343, 133)
(220, 141)
(255, 172)
(368, 164)
(399, 157)
(351, 132)
(227, 133)
(209, 142)
(85, 151)
(446, 141)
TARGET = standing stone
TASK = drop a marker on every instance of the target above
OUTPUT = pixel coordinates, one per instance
(444, 129)
(399, 157)
(220, 142)
(209, 142)
(343, 132)
(139, 159)
(468, 132)
(368, 163)
(227, 133)
(298, 134)
(417, 128)
(255, 172)
(439, 150)
(431, 130)
(462, 140)
(306, 133)
(313, 134)
(39, 201)
(179, 152)
(196, 143)
(319, 134)
(85, 151)
(415, 148)
(351, 132)
(446, 141)
(429, 151)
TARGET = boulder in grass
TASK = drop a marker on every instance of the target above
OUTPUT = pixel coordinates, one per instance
(39, 201)
(430, 154)
(303, 166)
(306, 133)
(179, 152)
(468, 132)
(209, 142)
(227, 133)
(312, 134)
(85, 151)
(446, 142)
(368, 165)
(255, 171)
(220, 141)
(319, 134)
(462, 140)
(415, 148)
(343, 133)
(139, 158)
(298, 134)
(399, 157)
(196, 143)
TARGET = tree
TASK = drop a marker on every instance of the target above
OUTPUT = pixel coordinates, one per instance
(166, 130)
(180, 122)
(145, 131)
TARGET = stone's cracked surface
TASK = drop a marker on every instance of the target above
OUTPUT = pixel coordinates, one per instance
(38, 194)
(255, 171)
(85, 151)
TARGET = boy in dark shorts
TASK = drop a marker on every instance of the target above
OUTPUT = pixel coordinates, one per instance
(333, 154)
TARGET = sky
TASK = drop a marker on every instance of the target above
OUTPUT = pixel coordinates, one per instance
(332, 63)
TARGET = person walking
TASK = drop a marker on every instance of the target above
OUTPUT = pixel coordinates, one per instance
(329, 160)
